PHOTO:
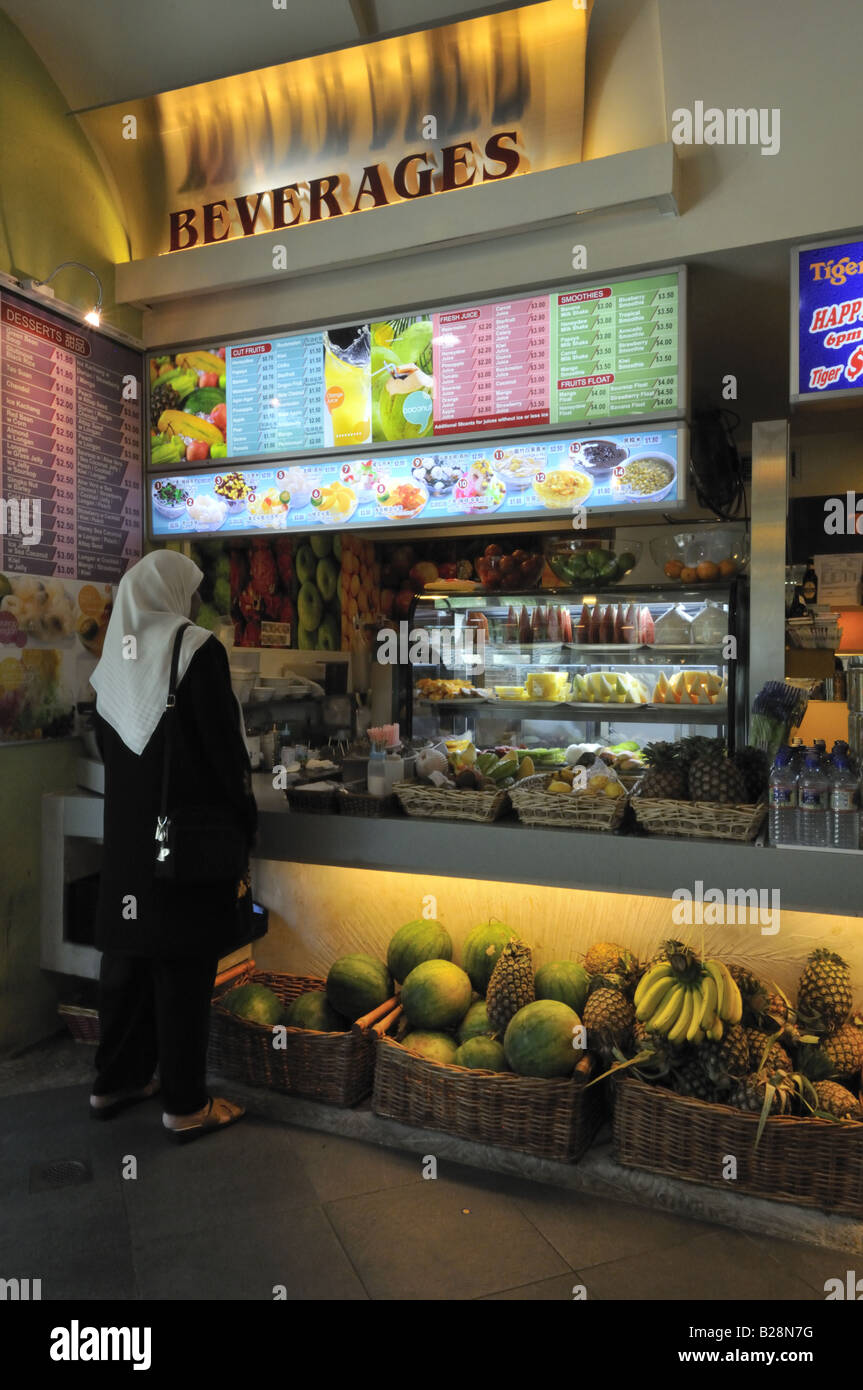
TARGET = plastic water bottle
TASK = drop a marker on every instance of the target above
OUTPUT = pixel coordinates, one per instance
(845, 805)
(814, 827)
(798, 754)
(783, 799)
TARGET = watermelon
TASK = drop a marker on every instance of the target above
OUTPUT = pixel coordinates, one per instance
(436, 995)
(416, 942)
(358, 984)
(314, 1011)
(539, 1039)
(481, 950)
(436, 1047)
(481, 1054)
(255, 1003)
(565, 980)
(475, 1023)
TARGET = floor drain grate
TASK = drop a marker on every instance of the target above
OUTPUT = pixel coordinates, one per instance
(61, 1172)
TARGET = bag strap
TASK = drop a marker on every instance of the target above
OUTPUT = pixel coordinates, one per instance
(170, 718)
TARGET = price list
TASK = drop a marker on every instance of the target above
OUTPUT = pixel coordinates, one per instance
(491, 366)
(614, 350)
(275, 395)
(70, 448)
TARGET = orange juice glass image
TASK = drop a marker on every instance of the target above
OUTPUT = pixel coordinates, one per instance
(348, 389)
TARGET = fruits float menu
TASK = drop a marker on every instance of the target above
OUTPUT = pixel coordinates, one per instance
(70, 447)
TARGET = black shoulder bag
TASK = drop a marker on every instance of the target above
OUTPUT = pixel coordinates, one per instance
(194, 844)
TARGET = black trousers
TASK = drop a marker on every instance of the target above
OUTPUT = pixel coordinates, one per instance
(155, 1012)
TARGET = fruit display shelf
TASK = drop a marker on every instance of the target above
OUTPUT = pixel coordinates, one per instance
(809, 880)
(580, 711)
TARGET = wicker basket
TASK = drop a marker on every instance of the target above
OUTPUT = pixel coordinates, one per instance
(814, 1163)
(319, 803)
(535, 805)
(705, 820)
(354, 800)
(549, 1119)
(449, 803)
(334, 1067)
(82, 1023)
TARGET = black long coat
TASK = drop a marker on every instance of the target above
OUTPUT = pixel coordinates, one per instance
(210, 766)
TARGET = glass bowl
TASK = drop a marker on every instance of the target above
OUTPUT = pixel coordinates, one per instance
(516, 572)
(577, 561)
(709, 554)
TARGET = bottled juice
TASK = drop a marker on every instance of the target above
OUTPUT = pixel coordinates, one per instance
(348, 392)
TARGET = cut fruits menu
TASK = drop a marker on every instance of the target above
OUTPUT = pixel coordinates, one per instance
(70, 447)
(583, 355)
(520, 479)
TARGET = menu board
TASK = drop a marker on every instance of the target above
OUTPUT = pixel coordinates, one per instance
(70, 447)
(521, 479)
(614, 349)
(827, 322)
(584, 356)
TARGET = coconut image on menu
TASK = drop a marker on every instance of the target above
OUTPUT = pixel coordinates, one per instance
(402, 379)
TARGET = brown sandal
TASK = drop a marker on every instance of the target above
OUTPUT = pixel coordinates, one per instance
(217, 1114)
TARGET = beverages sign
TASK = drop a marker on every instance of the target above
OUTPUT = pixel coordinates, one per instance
(396, 120)
(827, 321)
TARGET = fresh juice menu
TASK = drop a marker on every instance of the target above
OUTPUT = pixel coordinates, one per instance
(70, 447)
(591, 353)
(515, 480)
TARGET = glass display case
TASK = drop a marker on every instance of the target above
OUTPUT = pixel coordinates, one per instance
(560, 665)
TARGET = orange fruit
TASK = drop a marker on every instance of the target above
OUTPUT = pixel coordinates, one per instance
(727, 568)
(688, 575)
(673, 569)
(707, 570)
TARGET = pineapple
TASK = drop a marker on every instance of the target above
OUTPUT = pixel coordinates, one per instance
(511, 984)
(751, 1092)
(691, 1078)
(824, 996)
(728, 1060)
(837, 1101)
(748, 984)
(713, 777)
(665, 778)
(608, 1017)
(608, 959)
(766, 1053)
(754, 765)
(844, 1050)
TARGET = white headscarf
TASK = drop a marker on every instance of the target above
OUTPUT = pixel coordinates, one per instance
(131, 680)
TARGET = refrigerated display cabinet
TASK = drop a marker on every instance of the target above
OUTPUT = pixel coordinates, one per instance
(608, 664)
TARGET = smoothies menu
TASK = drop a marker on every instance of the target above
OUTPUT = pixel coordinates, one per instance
(592, 353)
(526, 478)
(70, 447)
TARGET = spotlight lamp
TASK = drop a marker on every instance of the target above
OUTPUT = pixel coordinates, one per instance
(94, 315)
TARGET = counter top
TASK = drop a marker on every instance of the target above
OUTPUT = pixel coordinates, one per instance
(823, 881)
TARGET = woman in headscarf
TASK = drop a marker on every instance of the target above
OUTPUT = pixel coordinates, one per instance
(161, 940)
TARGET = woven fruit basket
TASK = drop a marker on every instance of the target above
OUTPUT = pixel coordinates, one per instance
(333, 1067)
(450, 803)
(82, 1023)
(354, 800)
(317, 803)
(811, 1162)
(706, 820)
(549, 1119)
(535, 805)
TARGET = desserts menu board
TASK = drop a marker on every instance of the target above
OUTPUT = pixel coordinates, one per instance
(516, 480)
(584, 355)
(70, 447)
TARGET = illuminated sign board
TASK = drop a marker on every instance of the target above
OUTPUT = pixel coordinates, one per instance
(827, 321)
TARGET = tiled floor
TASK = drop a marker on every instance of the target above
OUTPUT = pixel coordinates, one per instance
(267, 1205)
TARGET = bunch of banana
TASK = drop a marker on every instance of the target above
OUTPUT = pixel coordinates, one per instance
(691, 1006)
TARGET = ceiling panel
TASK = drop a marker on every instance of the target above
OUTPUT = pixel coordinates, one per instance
(104, 51)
